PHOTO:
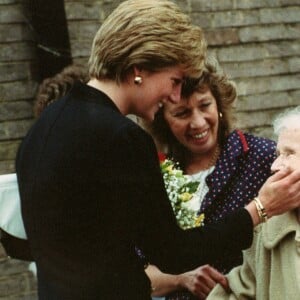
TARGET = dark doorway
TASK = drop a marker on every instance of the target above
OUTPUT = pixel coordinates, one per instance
(47, 19)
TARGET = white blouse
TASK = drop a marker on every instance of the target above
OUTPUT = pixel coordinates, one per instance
(10, 209)
(195, 202)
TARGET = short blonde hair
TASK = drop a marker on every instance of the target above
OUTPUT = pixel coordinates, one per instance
(147, 34)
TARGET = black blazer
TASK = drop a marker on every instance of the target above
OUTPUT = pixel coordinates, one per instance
(91, 190)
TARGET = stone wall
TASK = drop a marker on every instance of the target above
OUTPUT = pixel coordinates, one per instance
(257, 43)
(17, 86)
(16, 281)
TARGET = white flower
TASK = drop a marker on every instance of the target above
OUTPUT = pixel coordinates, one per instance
(181, 190)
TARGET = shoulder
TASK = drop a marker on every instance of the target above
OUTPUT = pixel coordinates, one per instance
(255, 145)
(264, 144)
(278, 228)
(137, 159)
(129, 130)
(129, 137)
(261, 149)
(240, 142)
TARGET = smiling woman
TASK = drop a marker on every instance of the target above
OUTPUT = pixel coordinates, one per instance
(85, 158)
(147, 90)
(164, 86)
(230, 165)
(195, 125)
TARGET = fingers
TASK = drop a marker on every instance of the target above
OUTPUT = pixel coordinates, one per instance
(281, 192)
(206, 278)
(292, 177)
(279, 175)
(287, 176)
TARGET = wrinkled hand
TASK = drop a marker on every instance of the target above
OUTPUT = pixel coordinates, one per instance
(202, 280)
(281, 192)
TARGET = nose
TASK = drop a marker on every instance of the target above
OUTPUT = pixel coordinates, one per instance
(277, 164)
(197, 120)
(176, 93)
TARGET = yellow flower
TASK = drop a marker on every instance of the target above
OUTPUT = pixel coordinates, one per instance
(180, 190)
(185, 196)
(169, 168)
(199, 220)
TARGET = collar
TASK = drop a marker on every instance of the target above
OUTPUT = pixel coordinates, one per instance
(280, 226)
(235, 147)
(83, 92)
(236, 144)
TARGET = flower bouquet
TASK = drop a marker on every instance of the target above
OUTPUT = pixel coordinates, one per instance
(180, 190)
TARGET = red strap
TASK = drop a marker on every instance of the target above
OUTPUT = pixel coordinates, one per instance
(243, 140)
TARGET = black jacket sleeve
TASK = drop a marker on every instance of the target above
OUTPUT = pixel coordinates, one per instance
(149, 214)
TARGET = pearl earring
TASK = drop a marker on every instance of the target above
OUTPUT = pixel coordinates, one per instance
(138, 80)
(220, 115)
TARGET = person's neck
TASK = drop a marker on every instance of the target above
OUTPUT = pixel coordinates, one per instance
(113, 90)
(202, 162)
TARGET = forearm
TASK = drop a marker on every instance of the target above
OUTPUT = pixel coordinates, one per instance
(252, 210)
(199, 281)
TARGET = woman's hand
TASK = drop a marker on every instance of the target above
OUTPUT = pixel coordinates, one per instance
(202, 280)
(199, 281)
(279, 194)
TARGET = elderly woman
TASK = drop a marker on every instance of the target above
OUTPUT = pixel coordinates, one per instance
(271, 266)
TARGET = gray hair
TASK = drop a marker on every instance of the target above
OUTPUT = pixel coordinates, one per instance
(288, 119)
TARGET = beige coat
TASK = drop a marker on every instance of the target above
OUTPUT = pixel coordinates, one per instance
(271, 268)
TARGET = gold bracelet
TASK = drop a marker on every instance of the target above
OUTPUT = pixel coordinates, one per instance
(260, 210)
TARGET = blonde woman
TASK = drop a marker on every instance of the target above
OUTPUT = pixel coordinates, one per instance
(89, 178)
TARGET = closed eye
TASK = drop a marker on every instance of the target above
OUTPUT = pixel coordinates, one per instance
(177, 81)
(205, 104)
(181, 114)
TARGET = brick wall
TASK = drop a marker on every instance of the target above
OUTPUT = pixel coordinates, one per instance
(16, 282)
(17, 86)
(17, 89)
(257, 43)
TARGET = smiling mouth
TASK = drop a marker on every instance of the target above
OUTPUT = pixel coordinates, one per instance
(201, 135)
